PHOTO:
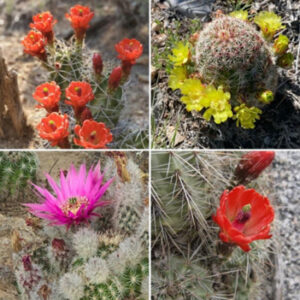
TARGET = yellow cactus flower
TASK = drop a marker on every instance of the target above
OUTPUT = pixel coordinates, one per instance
(246, 116)
(180, 54)
(286, 60)
(266, 97)
(193, 95)
(240, 14)
(269, 23)
(177, 77)
(281, 44)
(219, 106)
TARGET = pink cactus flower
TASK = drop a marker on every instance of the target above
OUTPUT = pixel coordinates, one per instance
(77, 196)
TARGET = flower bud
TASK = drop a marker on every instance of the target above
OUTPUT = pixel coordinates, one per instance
(58, 245)
(281, 44)
(266, 97)
(86, 115)
(115, 78)
(97, 63)
(286, 60)
(27, 263)
(252, 164)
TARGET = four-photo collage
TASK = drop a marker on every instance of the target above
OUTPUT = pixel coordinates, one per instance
(149, 150)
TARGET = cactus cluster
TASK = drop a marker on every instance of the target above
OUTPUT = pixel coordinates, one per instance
(107, 259)
(93, 90)
(229, 68)
(189, 261)
(16, 169)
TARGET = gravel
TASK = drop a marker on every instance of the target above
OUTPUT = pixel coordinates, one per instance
(287, 177)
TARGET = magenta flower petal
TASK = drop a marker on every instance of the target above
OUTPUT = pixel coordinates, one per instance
(75, 199)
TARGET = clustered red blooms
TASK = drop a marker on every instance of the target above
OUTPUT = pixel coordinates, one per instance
(48, 95)
(44, 22)
(244, 216)
(92, 135)
(34, 44)
(252, 164)
(129, 50)
(80, 17)
(55, 126)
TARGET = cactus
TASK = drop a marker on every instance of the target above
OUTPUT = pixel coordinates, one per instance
(16, 169)
(94, 90)
(230, 68)
(189, 260)
(95, 261)
(232, 53)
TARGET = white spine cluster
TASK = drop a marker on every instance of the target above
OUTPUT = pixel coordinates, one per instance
(71, 286)
(85, 242)
(96, 270)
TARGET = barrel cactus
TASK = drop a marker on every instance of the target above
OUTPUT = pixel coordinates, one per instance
(16, 170)
(229, 68)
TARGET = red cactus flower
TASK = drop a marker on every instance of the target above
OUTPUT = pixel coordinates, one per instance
(79, 94)
(44, 22)
(252, 164)
(48, 95)
(115, 78)
(244, 216)
(129, 50)
(54, 128)
(92, 135)
(80, 17)
(34, 44)
(97, 63)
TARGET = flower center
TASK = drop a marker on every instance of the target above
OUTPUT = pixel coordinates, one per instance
(32, 36)
(80, 12)
(45, 90)
(242, 217)
(73, 204)
(78, 90)
(93, 135)
(52, 125)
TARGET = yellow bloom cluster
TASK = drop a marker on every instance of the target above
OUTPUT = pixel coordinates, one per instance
(240, 14)
(269, 23)
(197, 96)
(180, 54)
(246, 116)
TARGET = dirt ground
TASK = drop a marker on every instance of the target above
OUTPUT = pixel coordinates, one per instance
(116, 22)
(174, 127)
